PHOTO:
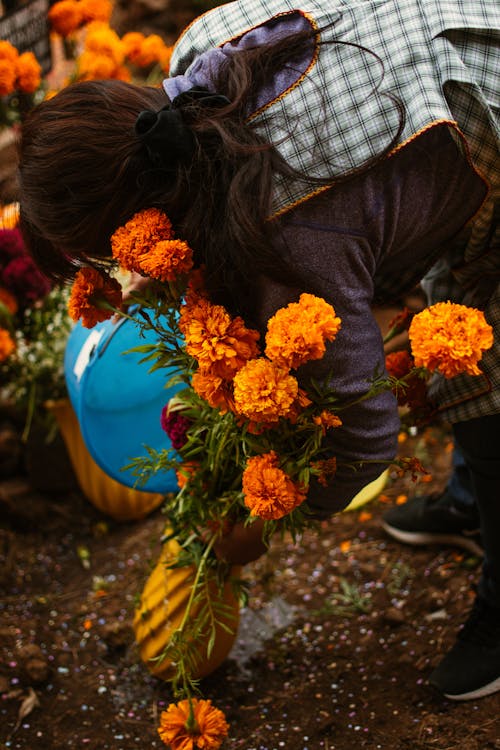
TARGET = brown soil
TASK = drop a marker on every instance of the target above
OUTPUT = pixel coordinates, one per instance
(342, 673)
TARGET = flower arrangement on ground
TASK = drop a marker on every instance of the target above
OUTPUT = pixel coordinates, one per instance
(246, 438)
(34, 325)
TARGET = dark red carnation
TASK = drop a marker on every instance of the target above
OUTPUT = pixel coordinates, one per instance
(176, 427)
(21, 277)
(11, 245)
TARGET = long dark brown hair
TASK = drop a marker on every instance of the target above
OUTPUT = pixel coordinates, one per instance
(83, 173)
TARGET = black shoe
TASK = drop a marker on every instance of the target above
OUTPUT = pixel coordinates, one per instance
(434, 519)
(472, 668)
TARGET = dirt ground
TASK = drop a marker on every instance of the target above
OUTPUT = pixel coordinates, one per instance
(333, 653)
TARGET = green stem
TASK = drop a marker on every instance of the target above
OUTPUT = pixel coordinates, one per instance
(199, 571)
(371, 393)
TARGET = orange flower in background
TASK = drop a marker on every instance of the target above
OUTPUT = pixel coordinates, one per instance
(414, 393)
(327, 420)
(8, 52)
(92, 294)
(8, 299)
(268, 491)
(7, 77)
(100, 39)
(326, 470)
(400, 322)
(28, 73)
(410, 465)
(450, 338)
(132, 44)
(65, 17)
(299, 332)
(221, 345)
(193, 725)
(185, 472)
(95, 10)
(168, 260)
(216, 391)
(398, 364)
(7, 345)
(264, 392)
(93, 67)
(139, 236)
(122, 73)
(153, 50)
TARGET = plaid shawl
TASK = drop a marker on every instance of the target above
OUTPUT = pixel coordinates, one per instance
(441, 59)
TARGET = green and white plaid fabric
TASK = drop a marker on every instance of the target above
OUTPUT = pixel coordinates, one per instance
(437, 56)
(441, 59)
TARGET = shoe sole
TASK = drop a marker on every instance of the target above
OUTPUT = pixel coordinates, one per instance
(482, 692)
(417, 538)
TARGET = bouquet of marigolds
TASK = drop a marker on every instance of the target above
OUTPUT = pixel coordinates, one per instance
(246, 439)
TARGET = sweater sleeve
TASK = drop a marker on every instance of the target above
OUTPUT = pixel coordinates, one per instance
(392, 222)
(369, 429)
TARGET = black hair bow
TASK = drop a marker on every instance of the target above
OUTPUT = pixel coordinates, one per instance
(165, 135)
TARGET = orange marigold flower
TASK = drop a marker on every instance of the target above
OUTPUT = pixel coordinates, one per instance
(92, 294)
(191, 724)
(153, 50)
(132, 44)
(96, 10)
(450, 338)
(65, 17)
(398, 364)
(299, 332)
(326, 420)
(7, 345)
(7, 77)
(400, 322)
(139, 237)
(8, 52)
(414, 392)
(94, 67)
(264, 392)
(29, 73)
(168, 260)
(100, 39)
(325, 470)
(268, 491)
(122, 73)
(411, 465)
(186, 472)
(221, 345)
(217, 392)
(8, 299)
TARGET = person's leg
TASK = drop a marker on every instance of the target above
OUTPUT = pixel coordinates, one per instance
(450, 517)
(459, 487)
(472, 668)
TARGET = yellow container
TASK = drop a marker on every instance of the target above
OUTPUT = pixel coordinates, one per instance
(161, 610)
(109, 496)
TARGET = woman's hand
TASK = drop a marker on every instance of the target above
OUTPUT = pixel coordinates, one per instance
(242, 544)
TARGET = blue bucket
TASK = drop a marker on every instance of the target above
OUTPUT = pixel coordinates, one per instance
(117, 400)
